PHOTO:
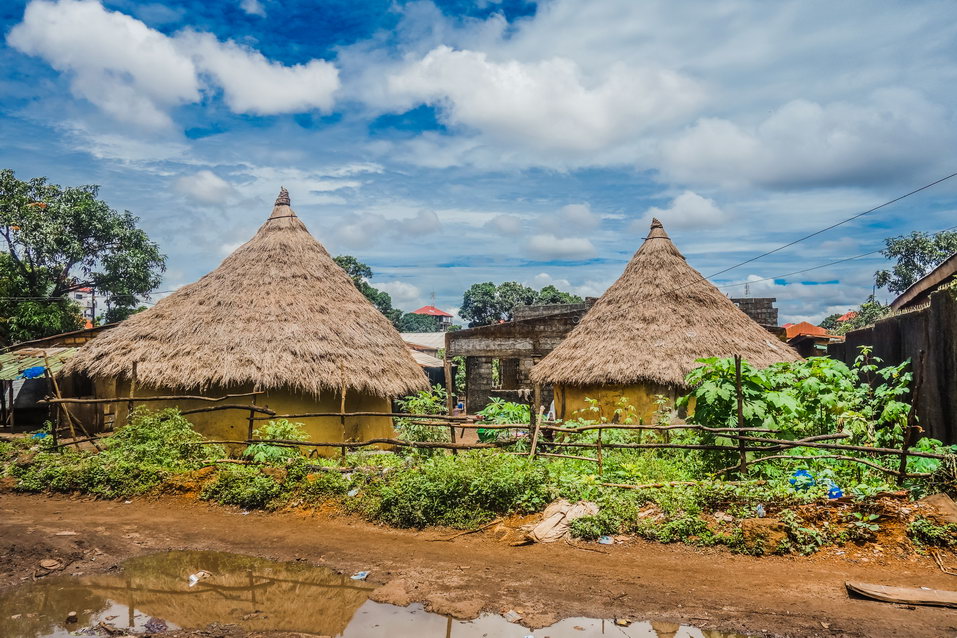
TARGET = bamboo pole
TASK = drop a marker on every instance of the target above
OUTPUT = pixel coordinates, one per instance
(253, 409)
(449, 397)
(742, 454)
(598, 452)
(66, 411)
(342, 403)
(403, 415)
(129, 403)
(156, 398)
(534, 420)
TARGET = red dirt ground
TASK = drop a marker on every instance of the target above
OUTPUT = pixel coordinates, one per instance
(709, 588)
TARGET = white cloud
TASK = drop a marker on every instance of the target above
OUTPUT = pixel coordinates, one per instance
(132, 72)
(205, 187)
(687, 210)
(548, 247)
(589, 288)
(423, 223)
(572, 219)
(547, 104)
(138, 75)
(804, 143)
(253, 8)
(402, 293)
(505, 224)
(254, 84)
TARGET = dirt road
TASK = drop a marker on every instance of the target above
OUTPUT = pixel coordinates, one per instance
(789, 596)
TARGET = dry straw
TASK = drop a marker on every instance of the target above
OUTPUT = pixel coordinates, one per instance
(641, 331)
(278, 313)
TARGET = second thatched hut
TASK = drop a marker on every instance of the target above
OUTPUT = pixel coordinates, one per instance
(644, 334)
(277, 316)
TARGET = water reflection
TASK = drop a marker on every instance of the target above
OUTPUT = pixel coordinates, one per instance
(153, 592)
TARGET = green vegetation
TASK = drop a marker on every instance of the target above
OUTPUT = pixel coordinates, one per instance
(57, 239)
(678, 495)
(486, 303)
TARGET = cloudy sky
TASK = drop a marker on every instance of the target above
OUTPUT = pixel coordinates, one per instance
(452, 142)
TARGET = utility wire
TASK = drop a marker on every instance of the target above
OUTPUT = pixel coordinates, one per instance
(798, 272)
(806, 237)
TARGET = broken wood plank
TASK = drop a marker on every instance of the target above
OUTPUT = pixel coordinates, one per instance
(904, 595)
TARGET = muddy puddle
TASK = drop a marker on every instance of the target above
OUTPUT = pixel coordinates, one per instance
(153, 593)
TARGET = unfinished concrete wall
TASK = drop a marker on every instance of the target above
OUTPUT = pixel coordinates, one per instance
(761, 309)
(517, 344)
(901, 337)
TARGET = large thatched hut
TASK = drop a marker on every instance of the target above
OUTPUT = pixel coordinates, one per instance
(278, 316)
(643, 335)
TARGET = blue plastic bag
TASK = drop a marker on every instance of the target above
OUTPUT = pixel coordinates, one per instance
(802, 480)
(33, 373)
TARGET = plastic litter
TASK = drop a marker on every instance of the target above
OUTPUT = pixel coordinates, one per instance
(833, 490)
(353, 491)
(802, 480)
(606, 540)
(40, 435)
(198, 576)
(512, 616)
(557, 519)
(760, 511)
(360, 575)
(33, 373)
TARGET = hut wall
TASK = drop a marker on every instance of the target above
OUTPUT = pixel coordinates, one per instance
(234, 424)
(570, 401)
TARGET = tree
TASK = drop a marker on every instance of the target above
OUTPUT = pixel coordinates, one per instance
(360, 272)
(485, 303)
(57, 239)
(916, 255)
(418, 323)
(868, 313)
(830, 322)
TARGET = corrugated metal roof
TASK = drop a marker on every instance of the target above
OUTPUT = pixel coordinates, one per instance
(434, 340)
(13, 363)
(426, 360)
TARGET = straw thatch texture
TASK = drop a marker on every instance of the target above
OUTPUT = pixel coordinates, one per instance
(278, 313)
(644, 330)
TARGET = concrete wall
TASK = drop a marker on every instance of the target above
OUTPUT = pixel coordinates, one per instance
(234, 424)
(901, 337)
(761, 309)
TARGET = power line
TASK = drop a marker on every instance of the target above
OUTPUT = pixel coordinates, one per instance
(814, 234)
(798, 272)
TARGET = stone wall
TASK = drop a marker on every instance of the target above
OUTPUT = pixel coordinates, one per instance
(761, 309)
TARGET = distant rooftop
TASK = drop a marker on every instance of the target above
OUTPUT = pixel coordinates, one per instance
(432, 311)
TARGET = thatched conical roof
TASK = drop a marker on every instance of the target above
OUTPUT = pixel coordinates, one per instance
(278, 313)
(653, 323)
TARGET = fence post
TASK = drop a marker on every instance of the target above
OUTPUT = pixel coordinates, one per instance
(742, 454)
(449, 399)
(534, 420)
(129, 403)
(600, 465)
(912, 429)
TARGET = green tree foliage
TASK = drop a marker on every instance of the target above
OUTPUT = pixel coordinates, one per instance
(867, 313)
(916, 255)
(56, 239)
(418, 323)
(831, 323)
(360, 274)
(485, 303)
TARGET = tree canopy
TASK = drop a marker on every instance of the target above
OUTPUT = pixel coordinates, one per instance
(57, 239)
(485, 303)
(916, 255)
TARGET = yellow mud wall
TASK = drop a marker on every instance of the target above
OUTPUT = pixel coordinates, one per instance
(570, 401)
(233, 425)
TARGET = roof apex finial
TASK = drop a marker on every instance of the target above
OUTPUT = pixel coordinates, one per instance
(283, 199)
(655, 223)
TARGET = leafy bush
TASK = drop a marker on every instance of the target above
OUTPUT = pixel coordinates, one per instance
(926, 532)
(277, 429)
(103, 475)
(458, 491)
(321, 486)
(164, 438)
(243, 486)
(431, 401)
(500, 412)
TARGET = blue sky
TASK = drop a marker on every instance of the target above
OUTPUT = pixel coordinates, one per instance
(447, 143)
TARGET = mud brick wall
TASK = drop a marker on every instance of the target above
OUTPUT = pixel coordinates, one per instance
(895, 339)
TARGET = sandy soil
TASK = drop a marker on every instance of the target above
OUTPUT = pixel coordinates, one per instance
(786, 596)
